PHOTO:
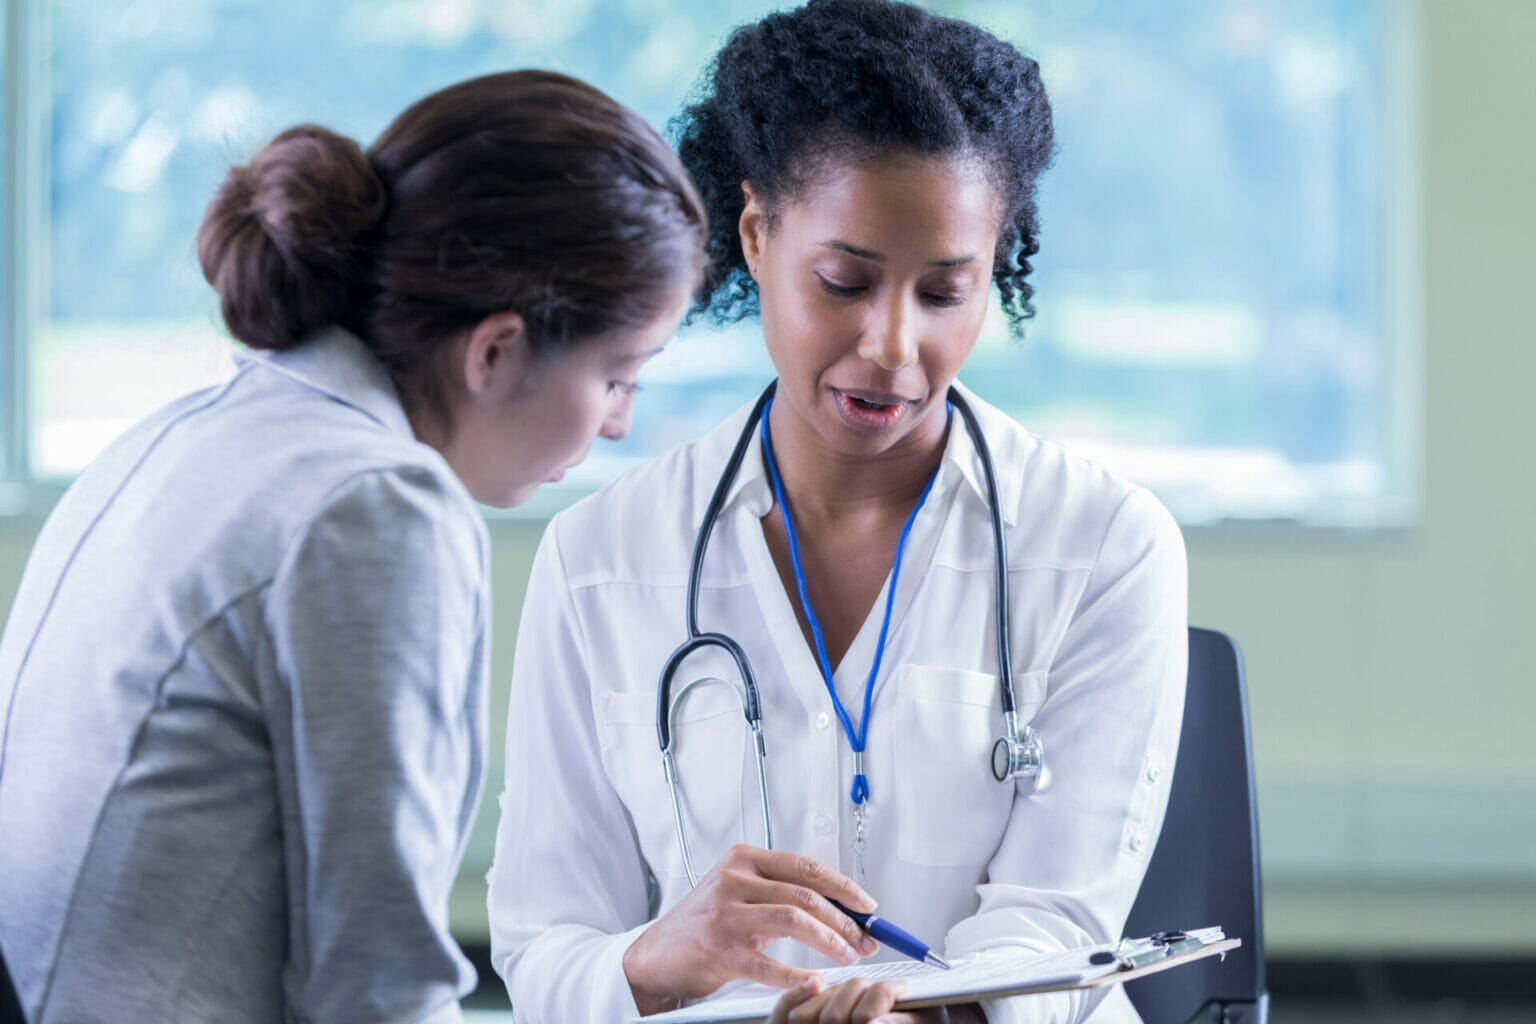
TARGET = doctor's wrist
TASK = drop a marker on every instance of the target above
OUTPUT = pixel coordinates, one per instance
(648, 997)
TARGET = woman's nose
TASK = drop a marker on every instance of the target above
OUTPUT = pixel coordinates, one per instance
(619, 418)
(891, 340)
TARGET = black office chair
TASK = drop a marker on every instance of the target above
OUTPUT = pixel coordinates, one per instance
(1205, 869)
(10, 1004)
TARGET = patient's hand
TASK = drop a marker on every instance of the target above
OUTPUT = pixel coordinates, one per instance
(861, 1001)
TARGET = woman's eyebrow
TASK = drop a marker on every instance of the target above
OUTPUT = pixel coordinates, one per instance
(866, 254)
(623, 359)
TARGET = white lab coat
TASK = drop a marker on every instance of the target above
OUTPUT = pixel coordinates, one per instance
(1097, 575)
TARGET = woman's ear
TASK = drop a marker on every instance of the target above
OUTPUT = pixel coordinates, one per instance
(496, 358)
(752, 227)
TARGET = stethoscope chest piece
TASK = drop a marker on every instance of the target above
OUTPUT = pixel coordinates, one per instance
(1018, 756)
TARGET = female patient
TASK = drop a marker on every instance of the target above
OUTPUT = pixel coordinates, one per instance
(870, 171)
(243, 682)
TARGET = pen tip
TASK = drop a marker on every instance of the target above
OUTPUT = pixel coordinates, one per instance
(936, 960)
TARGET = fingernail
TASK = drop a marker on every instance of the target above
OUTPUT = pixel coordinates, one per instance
(869, 902)
(848, 956)
(869, 945)
(811, 984)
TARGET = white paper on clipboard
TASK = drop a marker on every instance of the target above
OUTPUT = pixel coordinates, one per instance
(986, 975)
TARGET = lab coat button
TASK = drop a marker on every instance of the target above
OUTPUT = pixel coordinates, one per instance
(822, 720)
(824, 824)
(1154, 771)
(1137, 842)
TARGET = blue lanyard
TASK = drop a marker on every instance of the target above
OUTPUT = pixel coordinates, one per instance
(856, 740)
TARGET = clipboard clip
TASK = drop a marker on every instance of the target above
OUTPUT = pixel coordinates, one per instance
(1117, 956)
(1156, 947)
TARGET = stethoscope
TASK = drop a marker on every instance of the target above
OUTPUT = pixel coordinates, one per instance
(1017, 754)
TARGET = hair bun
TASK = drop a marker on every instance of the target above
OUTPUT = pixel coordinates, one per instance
(280, 242)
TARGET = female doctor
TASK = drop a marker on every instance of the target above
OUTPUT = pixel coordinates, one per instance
(243, 681)
(870, 172)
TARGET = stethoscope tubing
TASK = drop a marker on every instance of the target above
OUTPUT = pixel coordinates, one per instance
(1020, 758)
(752, 705)
(999, 548)
(717, 502)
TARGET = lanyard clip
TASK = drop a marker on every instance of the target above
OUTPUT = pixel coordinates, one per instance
(859, 794)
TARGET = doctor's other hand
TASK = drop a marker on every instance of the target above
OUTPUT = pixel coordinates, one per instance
(862, 1001)
(718, 932)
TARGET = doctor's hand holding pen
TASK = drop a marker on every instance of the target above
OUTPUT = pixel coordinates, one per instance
(717, 933)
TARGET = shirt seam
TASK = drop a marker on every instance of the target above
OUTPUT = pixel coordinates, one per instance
(58, 584)
(581, 628)
(594, 581)
(1131, 821)
(1110, 528)
(138, 736)
(591, 581)
(249, 853)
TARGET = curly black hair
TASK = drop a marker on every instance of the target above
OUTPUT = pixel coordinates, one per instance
(846, 80)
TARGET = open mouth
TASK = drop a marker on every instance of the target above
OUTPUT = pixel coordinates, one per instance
(869, 411)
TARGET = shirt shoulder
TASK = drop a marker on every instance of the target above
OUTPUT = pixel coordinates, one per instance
(332, 459)
(1066, 504)
(642, 524)
(208, 495)
(410, 511)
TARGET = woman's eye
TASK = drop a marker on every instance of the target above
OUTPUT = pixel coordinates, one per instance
(946, 300)
(623, 387)
(843, 291)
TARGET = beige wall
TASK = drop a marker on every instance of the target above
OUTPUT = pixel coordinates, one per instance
(1391, 675)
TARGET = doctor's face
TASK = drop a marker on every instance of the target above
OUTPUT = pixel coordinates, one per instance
(874, 283)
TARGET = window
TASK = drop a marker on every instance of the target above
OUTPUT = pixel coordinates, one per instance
(1209, 286)
(7, 299)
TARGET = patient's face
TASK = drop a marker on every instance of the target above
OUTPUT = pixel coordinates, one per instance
(503, 451)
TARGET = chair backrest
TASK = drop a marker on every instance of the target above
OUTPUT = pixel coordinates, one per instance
(10, 1004)
(1205, 869)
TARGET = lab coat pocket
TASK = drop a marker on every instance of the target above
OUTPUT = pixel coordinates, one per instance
(709, 749)
(953, 812)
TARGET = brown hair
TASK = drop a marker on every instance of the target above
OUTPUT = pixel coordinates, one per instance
(526, 191)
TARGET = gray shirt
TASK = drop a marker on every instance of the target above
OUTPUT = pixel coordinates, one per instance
(243, 689)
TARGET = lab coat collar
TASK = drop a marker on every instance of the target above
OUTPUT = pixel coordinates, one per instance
(334, 361)
(751, 486)
(962, 458)
(962, 461)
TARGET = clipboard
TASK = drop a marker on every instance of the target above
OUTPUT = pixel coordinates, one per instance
(991, 975)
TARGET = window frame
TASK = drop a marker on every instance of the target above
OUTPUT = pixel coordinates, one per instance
(23, 173)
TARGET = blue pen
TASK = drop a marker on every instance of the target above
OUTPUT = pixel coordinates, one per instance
(885, 933)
